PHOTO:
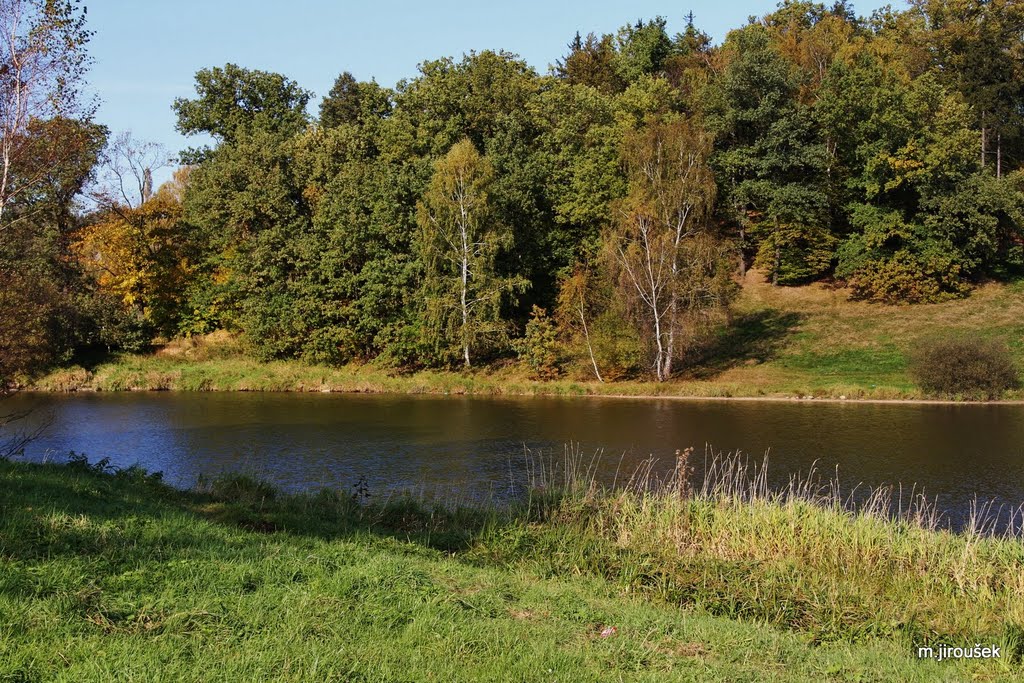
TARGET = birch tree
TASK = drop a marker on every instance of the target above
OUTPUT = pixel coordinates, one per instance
(659, 245)
(42, 68)
(460, 241)
(574, 311)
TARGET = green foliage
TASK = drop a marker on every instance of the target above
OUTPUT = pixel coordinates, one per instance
(964, 366)
(619, 349)
(906, 278)
(111, 326)
(539, 346)
(643, 48)
(460, 239)
(591, 62)
(886, 152)
(25, 314)
(44, 299)
(353, 103)
(231, 99)
(667, 267)
(771, 164)
(796, 254)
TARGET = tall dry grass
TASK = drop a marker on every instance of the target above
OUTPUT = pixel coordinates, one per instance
(842, 565)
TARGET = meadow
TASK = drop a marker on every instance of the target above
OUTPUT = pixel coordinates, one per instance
(112, 575)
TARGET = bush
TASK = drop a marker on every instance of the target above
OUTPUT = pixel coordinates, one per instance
(963, 366)
(539, 348)
(906, 278)
(237, 488)
(618, 347)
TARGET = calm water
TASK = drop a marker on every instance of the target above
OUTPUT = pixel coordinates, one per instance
(476, 445)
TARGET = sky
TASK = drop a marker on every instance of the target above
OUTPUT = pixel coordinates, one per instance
(147, 53)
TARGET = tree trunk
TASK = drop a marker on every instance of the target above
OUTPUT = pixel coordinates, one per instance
(590, 348)
(464, 233)
(673, 309)
(743, 260)
(984, 140)
(999, 155)
(465, 307)
(778, 257)
(465, 323)
(659, 357)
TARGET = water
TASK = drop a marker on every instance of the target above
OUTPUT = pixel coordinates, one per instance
(476, 446)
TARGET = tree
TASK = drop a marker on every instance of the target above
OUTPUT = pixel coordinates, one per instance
(976, 48)
(539, 345)
(926, 218)
(231, 99)
(43, 61)
(42, 306)
(643, 48)
(575, 309)
(352, 102)
(343, 103)
(667, 263)
(142, 254)
(591, 62)
(470, 98)
(460, 243)
(771, 164)
(247, 205)
(491, 98)
(126, 170)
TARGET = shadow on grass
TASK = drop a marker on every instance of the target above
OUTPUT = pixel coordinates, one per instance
(82, 509)
(751, 339)
(90, 359)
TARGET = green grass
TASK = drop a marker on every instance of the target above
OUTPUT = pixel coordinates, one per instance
(785, 342)
(114, 576)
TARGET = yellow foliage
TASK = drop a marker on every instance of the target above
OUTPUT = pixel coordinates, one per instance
(137, 253)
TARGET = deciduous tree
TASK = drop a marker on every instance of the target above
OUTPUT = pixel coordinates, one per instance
(460, 241)
(668, 264)
(43, 62)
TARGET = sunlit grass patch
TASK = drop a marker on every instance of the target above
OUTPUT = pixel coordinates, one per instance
(107, 574)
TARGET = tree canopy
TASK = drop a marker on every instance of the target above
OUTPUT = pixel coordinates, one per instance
(598, 215)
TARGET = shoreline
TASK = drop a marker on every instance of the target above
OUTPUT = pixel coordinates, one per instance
(539, 394)
(846, 589)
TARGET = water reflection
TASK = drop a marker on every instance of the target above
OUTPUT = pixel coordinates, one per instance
(476, 444)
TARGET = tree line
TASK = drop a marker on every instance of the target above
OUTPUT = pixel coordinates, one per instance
(598, 215)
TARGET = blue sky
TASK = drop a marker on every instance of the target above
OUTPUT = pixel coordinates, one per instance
(147, 52)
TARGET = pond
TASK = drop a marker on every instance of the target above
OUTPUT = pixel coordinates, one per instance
(476, 446)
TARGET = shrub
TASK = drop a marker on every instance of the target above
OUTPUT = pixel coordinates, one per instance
(539, 348)
(963, 366)
(618, 347)
(238, 488)
(905, 278)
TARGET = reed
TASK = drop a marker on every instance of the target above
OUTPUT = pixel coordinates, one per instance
(807, 556)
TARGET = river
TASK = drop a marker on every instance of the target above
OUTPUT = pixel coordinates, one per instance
(476, 446)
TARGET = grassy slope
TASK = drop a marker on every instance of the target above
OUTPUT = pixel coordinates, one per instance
(119, 578)
(805, 341)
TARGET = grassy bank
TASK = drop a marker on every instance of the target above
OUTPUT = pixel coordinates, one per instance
(785, 342)
(107, 576)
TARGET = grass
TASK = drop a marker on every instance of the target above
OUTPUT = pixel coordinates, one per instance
(785, 342)
(114, 576)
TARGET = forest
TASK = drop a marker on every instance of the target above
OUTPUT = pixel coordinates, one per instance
(599, 214)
